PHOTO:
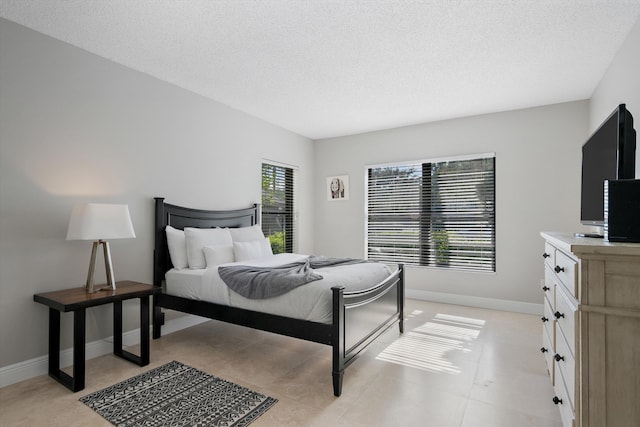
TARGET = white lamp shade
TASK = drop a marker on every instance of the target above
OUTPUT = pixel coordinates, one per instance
(95, 221)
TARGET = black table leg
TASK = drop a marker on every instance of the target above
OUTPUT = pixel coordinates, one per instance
(144, 331)
(79, 317)
(117, 328)
(158, 318)
(75, 383)
(143, 359)
(54, 342)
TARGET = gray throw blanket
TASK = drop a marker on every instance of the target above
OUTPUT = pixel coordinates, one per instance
(268, 282)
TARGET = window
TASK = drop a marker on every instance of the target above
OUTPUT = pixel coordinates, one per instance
(433, 213)
(277, 207)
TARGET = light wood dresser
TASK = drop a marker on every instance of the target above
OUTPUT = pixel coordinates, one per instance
(591, 329)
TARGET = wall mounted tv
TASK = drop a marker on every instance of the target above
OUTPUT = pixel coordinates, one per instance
(610, 153)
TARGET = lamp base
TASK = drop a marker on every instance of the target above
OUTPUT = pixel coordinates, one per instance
(111, 284)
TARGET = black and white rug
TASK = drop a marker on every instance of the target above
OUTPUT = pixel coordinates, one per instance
(178, 395)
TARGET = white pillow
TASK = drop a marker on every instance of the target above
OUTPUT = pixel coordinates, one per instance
(247, 234)
(177, 247)
(198, 238)
(252, 250)
(220, 254)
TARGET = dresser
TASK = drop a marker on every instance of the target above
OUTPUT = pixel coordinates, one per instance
(591, 329)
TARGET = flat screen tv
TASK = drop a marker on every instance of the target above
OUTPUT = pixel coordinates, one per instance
(610, 153)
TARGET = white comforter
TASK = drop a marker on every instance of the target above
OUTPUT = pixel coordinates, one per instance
(311, 301)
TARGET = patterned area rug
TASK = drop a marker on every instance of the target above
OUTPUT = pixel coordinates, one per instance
(178, 395)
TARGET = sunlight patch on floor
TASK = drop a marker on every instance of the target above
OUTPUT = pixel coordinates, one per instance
(430, 346)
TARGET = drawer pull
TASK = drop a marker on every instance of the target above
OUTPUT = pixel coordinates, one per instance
(557, 400)
(558, 357)
(544, 319)
(558, 269)
(544, 350)
(558, 314)
(545, 288)
(545, 255)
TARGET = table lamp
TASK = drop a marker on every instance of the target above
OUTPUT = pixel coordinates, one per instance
(100, 222)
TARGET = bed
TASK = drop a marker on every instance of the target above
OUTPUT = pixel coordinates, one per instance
(356, 319)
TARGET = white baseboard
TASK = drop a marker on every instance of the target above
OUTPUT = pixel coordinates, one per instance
(40, 365)
(480, 302)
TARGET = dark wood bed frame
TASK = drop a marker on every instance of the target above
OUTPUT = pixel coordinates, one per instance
(358, 317)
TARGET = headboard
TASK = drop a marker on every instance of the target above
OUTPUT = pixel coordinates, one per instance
(180, 217)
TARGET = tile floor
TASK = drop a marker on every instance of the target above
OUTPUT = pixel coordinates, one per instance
(453, 366)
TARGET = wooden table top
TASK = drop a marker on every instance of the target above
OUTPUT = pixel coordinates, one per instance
(76, 298)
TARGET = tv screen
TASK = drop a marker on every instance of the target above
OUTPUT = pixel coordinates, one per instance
(610, 153)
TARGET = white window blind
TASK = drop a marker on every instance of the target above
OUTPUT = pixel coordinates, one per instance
(433, 213)
(278, 216)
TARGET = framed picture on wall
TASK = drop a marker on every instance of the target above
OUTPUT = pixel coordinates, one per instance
(338, 188)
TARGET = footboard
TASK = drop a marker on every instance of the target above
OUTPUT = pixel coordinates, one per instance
(359, 317)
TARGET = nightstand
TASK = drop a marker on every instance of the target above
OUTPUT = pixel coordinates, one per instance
(78, 300)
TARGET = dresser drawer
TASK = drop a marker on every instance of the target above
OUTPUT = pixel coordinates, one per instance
(565, 316)
(548, 352)
(548, 321)
(567, 270)
(564, 404)
(549, 255)
(565, 366)
(548, 287)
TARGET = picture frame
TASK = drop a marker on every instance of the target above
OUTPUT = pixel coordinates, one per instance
(338, 188)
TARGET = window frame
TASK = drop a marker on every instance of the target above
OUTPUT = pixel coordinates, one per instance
(419, 242)
(290, 213)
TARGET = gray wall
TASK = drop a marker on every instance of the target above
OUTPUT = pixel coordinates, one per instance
(620, 84)
(75, 127)
(537, 188)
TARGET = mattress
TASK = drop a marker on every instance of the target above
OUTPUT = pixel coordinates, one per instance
(312, 301)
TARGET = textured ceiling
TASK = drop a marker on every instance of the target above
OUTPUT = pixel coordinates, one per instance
(324, 68)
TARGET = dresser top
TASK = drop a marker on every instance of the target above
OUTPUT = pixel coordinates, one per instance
(589, 245)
